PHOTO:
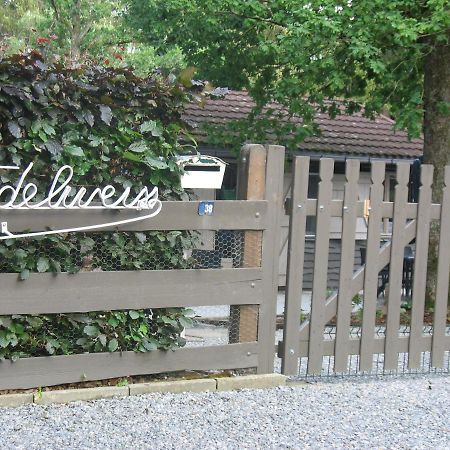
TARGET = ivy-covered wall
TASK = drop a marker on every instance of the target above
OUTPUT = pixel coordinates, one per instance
(113, 128)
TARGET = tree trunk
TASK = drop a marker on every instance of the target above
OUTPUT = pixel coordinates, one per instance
(436, 131)
(75, 36)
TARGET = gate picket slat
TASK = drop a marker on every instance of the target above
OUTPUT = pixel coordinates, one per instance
(344, 305)
(420, 266)
(320, 266)
(396, 267)
(295, 264)
(371, 267)
(442, 287)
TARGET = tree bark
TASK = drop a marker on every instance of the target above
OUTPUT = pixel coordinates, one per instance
(75, 36)
(436, 131)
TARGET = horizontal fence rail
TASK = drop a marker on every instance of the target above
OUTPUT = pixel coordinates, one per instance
(52, 370)
(403, 281)
(102, 291)
(174, 215)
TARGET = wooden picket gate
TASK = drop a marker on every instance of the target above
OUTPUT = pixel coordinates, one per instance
(304, 338)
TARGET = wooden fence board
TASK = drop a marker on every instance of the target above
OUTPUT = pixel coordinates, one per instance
(318, 318)
(387, 209)
(97, 291)
(396, 267)
(420, 265)
(295, 265)
(371, 266)
(52, 370)
(231, 215)
(442, 284)
(344, 300)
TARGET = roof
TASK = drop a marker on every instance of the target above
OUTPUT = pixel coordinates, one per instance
(345, 134)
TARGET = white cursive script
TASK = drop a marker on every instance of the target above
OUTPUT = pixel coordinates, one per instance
(62, 195)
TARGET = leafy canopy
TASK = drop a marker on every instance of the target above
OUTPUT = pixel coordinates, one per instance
(80, 31)
(299, 53)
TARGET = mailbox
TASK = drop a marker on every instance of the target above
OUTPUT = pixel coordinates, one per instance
(201, 172)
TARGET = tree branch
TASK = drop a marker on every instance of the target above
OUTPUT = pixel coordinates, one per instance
(55, 8)
(258, 19)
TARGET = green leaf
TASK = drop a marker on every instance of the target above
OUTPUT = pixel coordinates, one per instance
(185, 322)
(43, 264)
(53, 147)
(141, 237)
(21, 253)
(138, 147)
(14, 129)
(155, 163)
(134, 314)
(25, 274)
(50, 349)
(91, 330)
(48, 129)
(102, 339)
(131, 157)
(74, 150)
(56, 265)
(186, 75)
(113, 345)
(149, 346)
(148, 126)
(105, 114)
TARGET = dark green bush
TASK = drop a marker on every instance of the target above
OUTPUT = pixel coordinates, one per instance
(113, 128)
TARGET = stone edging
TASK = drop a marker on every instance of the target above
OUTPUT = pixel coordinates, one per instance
(177, 386)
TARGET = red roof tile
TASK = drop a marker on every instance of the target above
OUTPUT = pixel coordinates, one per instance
(345, 134)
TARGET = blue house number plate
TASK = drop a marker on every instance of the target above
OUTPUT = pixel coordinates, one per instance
(206, 208)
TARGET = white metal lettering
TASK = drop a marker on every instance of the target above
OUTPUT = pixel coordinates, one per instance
(63, 196)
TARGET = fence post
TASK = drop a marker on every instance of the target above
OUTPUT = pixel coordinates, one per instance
(251, 186)
(270, 258)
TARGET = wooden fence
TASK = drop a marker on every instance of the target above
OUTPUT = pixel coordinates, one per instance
(304, 337)
(102, 291)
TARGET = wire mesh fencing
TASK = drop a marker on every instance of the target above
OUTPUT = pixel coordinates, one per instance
(353, 364)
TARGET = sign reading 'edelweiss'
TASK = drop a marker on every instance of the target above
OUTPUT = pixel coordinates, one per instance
(62, 196)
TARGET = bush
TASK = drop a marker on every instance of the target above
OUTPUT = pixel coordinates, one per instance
(113, 128)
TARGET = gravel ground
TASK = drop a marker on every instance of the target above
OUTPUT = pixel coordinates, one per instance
(410, 412)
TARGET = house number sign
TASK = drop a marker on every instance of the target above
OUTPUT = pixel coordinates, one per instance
(62, 196)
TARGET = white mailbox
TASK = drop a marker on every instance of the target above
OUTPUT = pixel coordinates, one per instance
(201, 172)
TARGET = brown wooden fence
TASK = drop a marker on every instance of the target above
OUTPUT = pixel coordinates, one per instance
(395, 332)
(102, 291)
(251, 288)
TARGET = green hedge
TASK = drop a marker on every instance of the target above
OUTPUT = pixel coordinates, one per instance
(113, 128)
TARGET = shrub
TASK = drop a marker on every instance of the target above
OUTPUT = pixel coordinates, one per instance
(113, 128)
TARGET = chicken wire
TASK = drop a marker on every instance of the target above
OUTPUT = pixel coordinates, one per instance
(119, 251)
(206, 249)
(378, 358)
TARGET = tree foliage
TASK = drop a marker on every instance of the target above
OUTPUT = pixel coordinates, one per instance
(79, 31)
(299, 53)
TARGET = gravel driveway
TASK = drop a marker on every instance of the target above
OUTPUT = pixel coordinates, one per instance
(359, 413)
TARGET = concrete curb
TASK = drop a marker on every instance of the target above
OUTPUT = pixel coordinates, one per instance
(177, 386)
(251, 382)
(12, 400)
(174, 387)
(86, 394)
